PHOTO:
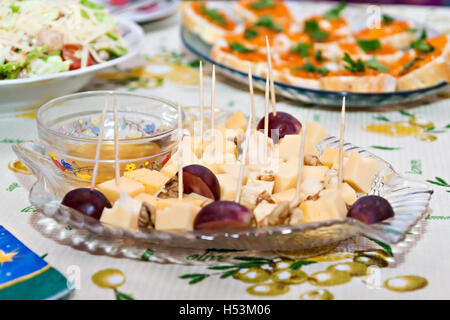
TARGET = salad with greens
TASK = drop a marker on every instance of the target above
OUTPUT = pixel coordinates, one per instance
(40, 37)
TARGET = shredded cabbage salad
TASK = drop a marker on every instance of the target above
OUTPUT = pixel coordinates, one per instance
(40, 37)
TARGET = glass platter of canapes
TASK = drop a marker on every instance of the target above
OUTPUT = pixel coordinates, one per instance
(242, 186)
(320, 54)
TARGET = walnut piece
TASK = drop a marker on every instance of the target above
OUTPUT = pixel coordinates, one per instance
(311, 160)
(147, 216)
(278, 216)
(170, 189)
(264, 196)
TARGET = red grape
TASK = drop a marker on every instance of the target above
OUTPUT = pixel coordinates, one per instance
(223, 214)
(371, 209)
(90, 203)
(201, 180)
(283, 122)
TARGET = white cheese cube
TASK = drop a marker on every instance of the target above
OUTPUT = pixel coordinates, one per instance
(112, 191)
(228, 186)
(178, 217)
(124, 213)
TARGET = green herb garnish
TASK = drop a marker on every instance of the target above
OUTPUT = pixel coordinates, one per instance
(335, 12)
(318, 56)
(411, 63)
(310, 68)
(369, 44)
(213, 14)
(375, 65)
(263, 4)
(387, 18)
(267, 22)
(250, 33)
(112, 36)
(313, 30)
(84, 13)
(14, 8)
(353, 66)
(91, 5)
(420, 43)
(236, 46)
(302, 49)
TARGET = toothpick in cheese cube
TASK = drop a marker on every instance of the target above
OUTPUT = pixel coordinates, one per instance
(330, 157)
(123, 214)
(112, 191)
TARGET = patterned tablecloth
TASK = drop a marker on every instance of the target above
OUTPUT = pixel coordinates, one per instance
(414, 138)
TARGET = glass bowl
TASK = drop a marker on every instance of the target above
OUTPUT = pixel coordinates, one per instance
(68, 129)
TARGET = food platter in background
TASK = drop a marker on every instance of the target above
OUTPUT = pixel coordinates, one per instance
(199, 43)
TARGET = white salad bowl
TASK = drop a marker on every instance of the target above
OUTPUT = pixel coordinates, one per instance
(23, 95)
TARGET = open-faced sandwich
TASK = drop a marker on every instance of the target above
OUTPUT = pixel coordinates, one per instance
(322, 51)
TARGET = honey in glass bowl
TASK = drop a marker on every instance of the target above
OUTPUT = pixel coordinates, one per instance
(69, 126)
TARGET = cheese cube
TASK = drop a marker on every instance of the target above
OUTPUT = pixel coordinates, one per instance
(178, 217)
(250, 193)
(347, 193)
(152, 180)
(359, 172)
(112, 191)
(228, 186)
(124, 213)
(197, 199)
(310, 187)
(170, 169)
(145, 197)
(289, 147)
(286, 177)
(314, 172)
(331, 206)
(330, 156)
(315, 132)
(233, 170)
(287, 195)
(256, 149)
(262, 185)
(237, 121)
(263, 209)
(192, 144)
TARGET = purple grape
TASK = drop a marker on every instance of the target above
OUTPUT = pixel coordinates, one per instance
(90, 203)
(223, 214)
(201, 180)
(371, 209)
(283, 122)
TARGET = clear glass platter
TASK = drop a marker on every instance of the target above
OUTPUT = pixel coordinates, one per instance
(409, 199)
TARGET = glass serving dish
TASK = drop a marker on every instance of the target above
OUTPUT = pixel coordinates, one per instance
(357, 18)
(409, 199)
(68, 129)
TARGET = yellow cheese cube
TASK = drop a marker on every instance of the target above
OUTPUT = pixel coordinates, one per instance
(315, 132)
(287, 195)
(124, 213)
(359, 172)
(285, 177)
(192, 144)
(237, 121)
(228, 186)
(314, 172)
(263, 209)
(152, 180)
(145, 197)
(197, 199)
(289, 147)
(112, 191)
(311, 186)
(178, 217)
(262, 185)
(233, 169)
(347, 193)
(330, 156)
(331, 206)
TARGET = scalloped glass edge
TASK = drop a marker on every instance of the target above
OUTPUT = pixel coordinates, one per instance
(315, 96)
(409, 199)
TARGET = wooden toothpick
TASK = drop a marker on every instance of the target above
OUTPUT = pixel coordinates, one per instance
(272, 87)
(266, 118)
(341, 144)
(243, 162)
(99, 144)
(180, 154)
(201, 108)
(252, 97)
(301, 161)
(116, 143)
(213, 105)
